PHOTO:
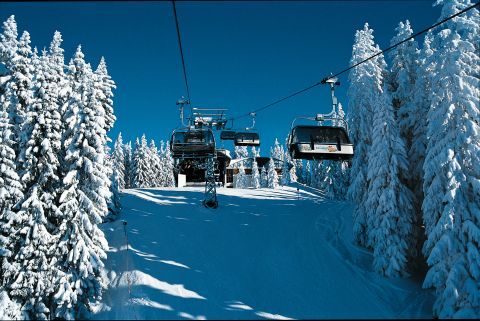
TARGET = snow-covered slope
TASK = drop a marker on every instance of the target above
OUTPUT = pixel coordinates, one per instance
(262, 254)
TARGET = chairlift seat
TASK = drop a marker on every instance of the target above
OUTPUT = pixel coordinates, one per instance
(247, 139)
(320, 143)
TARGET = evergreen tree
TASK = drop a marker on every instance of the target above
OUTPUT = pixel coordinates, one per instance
(38, 209)
(18, 91)
(256, 179)
(417, 151)
(9, 42)
(241, 152)
(307, 174)
(272, 176)
(390, 218)
(141, 164)
(155, 167)
(118, 162)
(128, 154)
(168, 168)
(277, 153)
(365, 86)
(263, 177)
(452, 176)
(299, 171)
(10, 194)
(241, 178)
(83, 204)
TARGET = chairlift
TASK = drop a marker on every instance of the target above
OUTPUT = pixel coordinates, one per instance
(192, 143)
(247, 138)
(320, 143)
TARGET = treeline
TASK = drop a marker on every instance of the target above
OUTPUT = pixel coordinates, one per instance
(415, 177)
(144, 165)
(54, 180)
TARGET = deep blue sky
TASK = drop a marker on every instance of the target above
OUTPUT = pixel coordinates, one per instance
(239, 55)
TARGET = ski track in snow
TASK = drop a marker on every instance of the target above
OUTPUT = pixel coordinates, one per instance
(263, 254)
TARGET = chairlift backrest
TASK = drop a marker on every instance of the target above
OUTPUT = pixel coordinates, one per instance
(247, 139)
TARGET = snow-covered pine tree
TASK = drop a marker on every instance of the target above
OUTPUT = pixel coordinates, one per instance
(241, 152)
(118, 162)
(155, 166)
(168, 167)
(18, 90)
(127, 150)
(416, 153)
(401, 78)
(115, 205)
(299, 171)
(365, 86)
(263, 177)
(272, 176)
(81, 245)
(277, 153)
(141, 164)
(10, 194)
(285, 180)
(452, 176)
(8, 41)
(307, 174)
(390, 217)
(32, 281)
(105, 98)
(256, 179)
(241, 178)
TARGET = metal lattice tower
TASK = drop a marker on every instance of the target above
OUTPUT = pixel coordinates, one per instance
(210, 200)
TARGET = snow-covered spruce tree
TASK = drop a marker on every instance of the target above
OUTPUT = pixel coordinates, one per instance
(452, 176)
(141, 164)
(277, 153)
(263, 177)
(307, 174)
(241, 152)
(168, 167)
(155, 166)
(10, 194)
(118, 162)
(365, 86)
(31, 282)
(18, 90)
(254, 152)
(241, 178)
(285, 180)
(128, 153)
(81, 245)
(115, 205)
(401, 84)
(272, 176)
(390, 218)
(8, 41)
(256, 179)
(401, 79)
(416, 153)
(334, 179)
(299, 171)
(105, 96)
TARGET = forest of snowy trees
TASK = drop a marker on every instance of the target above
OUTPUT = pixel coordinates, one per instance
(54, 179)
(415, 177)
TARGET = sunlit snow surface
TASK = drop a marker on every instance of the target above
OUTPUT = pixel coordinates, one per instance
(263, 254)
